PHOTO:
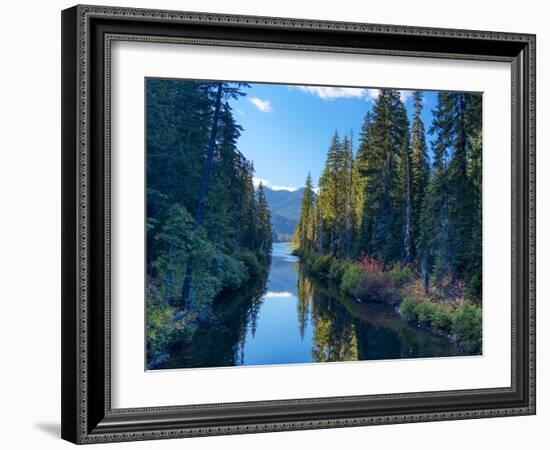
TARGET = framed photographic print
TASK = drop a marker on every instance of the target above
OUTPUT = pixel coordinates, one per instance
(281, 224)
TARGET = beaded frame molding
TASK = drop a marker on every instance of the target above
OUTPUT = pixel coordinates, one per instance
(87, 34)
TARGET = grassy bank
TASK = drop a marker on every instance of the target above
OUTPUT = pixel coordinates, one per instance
(443, 308)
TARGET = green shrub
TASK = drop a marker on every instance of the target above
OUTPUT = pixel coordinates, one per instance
(235, 273)
(166, 325)
(408, 311)
(321, 264)
(425, 311)
(442, 318)
(306, 259)
(335, 271)
(473, 287)
(400, 275)
(253, 268)
(464, 322)
(467, 327)
(338, 268)
(160, 330)
(352, 278)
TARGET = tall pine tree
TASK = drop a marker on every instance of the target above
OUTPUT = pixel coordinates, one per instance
(305, 231)
(420, 176)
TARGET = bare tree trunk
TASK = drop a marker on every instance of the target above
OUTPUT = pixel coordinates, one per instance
(351, 222)
(168, 277)
(425, 272)
(320, 240)
(208, 164)
(407, 234)
(204, 187)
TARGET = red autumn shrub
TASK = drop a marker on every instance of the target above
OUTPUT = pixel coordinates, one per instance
(375, 287)
(371, 265)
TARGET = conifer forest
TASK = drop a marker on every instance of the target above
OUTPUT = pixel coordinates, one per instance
(374, 253)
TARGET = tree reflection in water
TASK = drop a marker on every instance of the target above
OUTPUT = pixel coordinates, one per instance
(345, 330)
(291, 317)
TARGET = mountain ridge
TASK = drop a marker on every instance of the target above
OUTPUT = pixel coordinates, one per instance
(285, 211)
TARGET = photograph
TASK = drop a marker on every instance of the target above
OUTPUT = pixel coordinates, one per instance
(278, 219)
(298, 224)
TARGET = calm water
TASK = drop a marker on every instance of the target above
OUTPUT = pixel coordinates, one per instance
(292, 318)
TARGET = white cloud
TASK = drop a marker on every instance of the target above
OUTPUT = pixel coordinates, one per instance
(330, 93)
(405, 95)
(256, 182)
(271, 294)
(262, 105)
(240, 112)
(265, 183)
(373, 94)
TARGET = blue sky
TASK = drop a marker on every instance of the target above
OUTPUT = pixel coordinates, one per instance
(287, 129)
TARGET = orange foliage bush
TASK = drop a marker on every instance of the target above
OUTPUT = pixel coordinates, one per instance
(370, 265)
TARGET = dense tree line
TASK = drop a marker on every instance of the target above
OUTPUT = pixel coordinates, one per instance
(393, 203)
(208, 229)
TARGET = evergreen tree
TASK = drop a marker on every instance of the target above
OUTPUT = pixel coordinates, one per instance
(328, 195)
(382, 222)
(264, 230)
(453, 193)
(436, 214)
(405, 162)
(219, 218)
(474, 171)
(346, 201)
(206, 231)
(305, 230)
(420, 173)
(402, 206)
(388, 203)
(336, 201)
(247, 210)
(221, 91)
(360, 179)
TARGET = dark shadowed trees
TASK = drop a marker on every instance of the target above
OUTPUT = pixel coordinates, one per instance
(206, 227)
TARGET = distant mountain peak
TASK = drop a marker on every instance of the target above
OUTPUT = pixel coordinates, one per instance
(285, 208)
(284, 188)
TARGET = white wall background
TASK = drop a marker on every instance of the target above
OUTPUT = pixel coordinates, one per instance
(30, 223)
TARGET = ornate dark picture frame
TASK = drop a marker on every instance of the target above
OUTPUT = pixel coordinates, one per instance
(87, 34)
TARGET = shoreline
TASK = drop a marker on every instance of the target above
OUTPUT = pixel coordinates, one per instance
(457, 319)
